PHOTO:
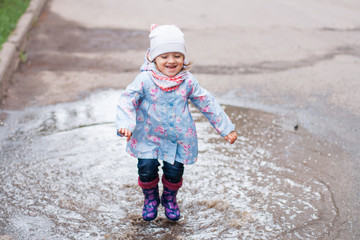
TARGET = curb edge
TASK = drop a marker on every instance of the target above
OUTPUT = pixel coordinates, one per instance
(11, 49)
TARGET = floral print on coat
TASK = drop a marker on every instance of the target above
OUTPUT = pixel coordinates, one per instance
(161, 123)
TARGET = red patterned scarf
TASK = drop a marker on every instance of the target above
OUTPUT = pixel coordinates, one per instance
(164, 82)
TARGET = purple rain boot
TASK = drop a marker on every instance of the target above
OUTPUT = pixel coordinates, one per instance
(152, 200)
(168, 199)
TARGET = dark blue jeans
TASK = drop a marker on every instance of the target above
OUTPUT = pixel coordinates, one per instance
(148, 170)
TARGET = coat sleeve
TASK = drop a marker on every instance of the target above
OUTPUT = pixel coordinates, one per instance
(129, 102)
(211, 109)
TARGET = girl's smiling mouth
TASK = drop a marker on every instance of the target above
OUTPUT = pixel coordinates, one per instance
(171, 67)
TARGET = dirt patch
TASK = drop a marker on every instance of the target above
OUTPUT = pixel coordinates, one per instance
(58, 49)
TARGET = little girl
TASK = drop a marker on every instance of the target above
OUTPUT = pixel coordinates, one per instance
(153, 114)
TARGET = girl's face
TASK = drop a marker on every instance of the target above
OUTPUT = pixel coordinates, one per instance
(170, 63)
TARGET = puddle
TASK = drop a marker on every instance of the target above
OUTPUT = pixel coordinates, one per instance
(65, 175)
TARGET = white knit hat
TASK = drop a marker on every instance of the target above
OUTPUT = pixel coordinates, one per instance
(164, 39)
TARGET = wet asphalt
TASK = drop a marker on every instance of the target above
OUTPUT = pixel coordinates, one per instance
(65, 175)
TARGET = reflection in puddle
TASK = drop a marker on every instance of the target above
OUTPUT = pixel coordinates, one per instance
(65, 174)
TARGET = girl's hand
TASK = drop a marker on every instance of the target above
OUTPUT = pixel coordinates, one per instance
(231, 137)
(125, 132)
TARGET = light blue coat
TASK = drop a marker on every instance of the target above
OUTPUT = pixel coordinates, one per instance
(161, 123)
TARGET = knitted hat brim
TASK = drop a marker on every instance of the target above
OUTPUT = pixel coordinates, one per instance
(166, 48)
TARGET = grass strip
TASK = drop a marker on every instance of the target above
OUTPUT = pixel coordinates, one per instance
(10, 12)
